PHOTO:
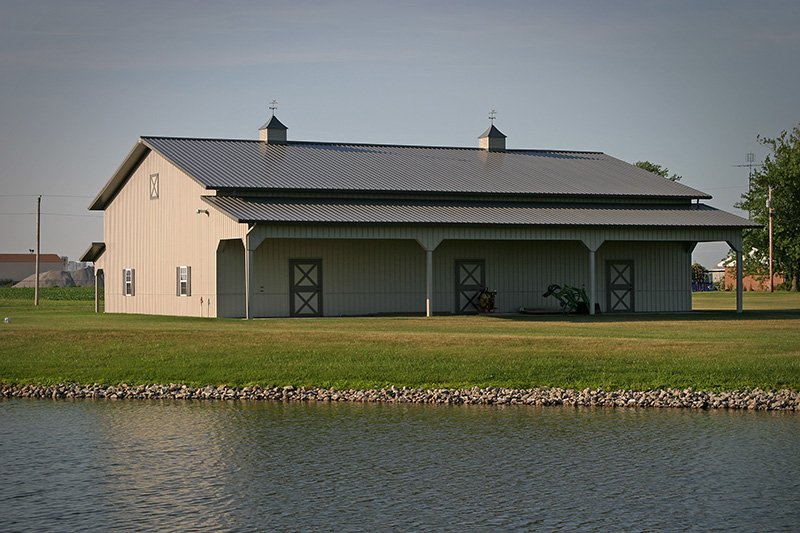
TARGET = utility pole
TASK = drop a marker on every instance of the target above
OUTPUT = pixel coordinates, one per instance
(769, 207)
(751, 157)
(38, 235)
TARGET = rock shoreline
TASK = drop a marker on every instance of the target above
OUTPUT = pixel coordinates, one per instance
(752, 399)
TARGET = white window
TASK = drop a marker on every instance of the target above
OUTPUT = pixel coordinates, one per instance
(184, 281)
(128, 282)
(153, 186)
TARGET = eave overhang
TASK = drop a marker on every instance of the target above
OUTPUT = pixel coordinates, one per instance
(118, 179)
(331, 211)
(93, 253)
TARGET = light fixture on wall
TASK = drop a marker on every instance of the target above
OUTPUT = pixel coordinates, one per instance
(204, 211)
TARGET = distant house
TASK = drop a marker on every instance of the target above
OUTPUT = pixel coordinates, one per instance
(272, 228)
(17, 267)
(749, 282)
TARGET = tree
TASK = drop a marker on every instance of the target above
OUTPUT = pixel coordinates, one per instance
(656, 169)
(699, 277)
(781, 172)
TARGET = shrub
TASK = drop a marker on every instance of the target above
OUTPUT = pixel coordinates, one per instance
(50, 293)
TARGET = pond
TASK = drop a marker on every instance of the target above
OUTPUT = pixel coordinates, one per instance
(234, 466)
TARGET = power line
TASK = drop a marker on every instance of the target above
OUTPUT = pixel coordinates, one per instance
(54, 214)
(44, 196)
(717, 188)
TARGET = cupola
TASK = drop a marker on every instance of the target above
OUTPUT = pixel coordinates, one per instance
(273, 132)
(493, 140)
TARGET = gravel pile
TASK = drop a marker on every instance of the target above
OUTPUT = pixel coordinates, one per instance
(754, 399)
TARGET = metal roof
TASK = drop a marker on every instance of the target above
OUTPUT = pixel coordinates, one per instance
(273, 123)
(308, 166)
(266, 210)
(30, 258)
(492, 132)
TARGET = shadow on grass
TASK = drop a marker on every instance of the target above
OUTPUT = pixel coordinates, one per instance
(689, 316)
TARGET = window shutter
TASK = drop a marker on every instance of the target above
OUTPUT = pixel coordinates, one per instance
(124, 282)
(188, 281)
(177, 281)
(133, 282)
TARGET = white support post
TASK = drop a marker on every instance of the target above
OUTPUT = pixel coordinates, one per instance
(248, 278)
(96, 289)
(429, 282)
(739, 287)
(592, 282)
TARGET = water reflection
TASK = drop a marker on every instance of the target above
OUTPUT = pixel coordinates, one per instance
(177, 466)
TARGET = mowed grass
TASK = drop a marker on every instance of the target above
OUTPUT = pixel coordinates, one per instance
(710, 349)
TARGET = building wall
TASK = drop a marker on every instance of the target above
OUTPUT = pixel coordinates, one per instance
(750, 282)
(520, 271)
(369, 276)
(17, 271)
(154, 236)
(358, 276)
(230, 278)
(662, 274)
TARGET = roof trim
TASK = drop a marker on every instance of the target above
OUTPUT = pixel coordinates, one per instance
(118, 179)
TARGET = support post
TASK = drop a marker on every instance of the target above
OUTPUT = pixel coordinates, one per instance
(771, 275)
(248, 279)
(38, 236)
(429, 282)
(592, 281)
(96, 290)
(739, 287)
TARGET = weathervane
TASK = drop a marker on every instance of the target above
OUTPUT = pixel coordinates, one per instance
(492, 116)
(273, 105)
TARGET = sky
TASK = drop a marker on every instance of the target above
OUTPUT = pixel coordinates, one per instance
(684, 84)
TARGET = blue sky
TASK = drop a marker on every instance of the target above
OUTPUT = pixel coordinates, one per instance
(685, 84)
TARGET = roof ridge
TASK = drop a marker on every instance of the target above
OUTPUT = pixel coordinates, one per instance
(519, 151)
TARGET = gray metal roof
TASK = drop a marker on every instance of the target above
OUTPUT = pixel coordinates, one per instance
(268, 210)
(236, 164)
(273, 123)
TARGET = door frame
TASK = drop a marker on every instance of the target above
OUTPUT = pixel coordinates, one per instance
(315, 289)
(614, 275)
(474, 289)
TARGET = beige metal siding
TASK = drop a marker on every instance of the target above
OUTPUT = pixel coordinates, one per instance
(520, 271)
(662, 274)
(154, 236)
(522, 262)
(372, 276)
(230, 278)
(359, 276)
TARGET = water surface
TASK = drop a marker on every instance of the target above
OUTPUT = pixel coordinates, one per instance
(217, 466)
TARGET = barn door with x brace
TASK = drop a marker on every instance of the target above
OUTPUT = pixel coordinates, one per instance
(470, 281)
(305, 287)
(619, 296)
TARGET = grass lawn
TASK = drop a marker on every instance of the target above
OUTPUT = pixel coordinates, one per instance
(712, 348)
